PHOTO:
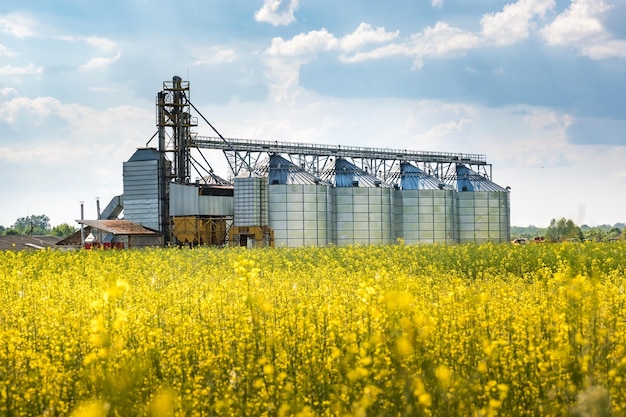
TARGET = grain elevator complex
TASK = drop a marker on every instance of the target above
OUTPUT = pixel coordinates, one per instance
(296, 194)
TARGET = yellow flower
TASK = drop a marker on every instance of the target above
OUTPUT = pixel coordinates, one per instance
(94, 408)
(444, 375)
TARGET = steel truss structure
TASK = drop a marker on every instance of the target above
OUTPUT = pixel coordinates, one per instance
(174, 111)
(244, 154)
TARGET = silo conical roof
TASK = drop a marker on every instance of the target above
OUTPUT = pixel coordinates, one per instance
(282, 171)
(346, 174)
(468, 180)
(145, 154)
(410, 177)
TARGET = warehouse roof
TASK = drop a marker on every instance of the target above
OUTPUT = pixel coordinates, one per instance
(21, 242)
(75, 238)
(118, 227)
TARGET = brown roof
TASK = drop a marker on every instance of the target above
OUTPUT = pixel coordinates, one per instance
(20, 242)
(118, 227)
(74, 239)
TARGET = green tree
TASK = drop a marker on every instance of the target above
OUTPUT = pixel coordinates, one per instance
(527, 232)
(62, 230)
(602, 234)
(595, 234)
(563, 229)
(32, 225)
(614, 233)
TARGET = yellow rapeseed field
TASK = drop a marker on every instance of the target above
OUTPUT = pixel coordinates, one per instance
(461, 330)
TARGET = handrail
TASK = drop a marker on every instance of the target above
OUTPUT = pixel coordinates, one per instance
(254, 145)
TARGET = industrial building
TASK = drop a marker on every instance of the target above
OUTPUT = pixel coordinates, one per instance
(296, 194)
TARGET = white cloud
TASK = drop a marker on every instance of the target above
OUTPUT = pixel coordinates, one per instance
(104, 45)
(313, 42)
(441, 40)
(449, 128)
(8, 91)
(437, 3)
(304, 44)
(26, 70)
(514, 22)
(284, 57)
(43, 154)
(393, 49)
(101, 43)
(5, 51)
(29, 115)
(99, 62)
(365, 35)
(35, 110)
(19, 25)
(214, 55)
(282, 76)
(613, 48)
(277, 12)
(580, 26)
(46, 134)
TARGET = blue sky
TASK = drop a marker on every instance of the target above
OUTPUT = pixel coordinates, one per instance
(538, 86)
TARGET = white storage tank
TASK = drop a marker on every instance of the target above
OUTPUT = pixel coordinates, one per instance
(425, 208)
(362, 206)
(299, 205)
(483, 207)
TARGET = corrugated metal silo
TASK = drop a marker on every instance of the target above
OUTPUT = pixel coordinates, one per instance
(145, 188)
(200, 213)
(362, 206)
(250, 201)
(425, 208)
(250, 226)
(193, 200)
(299, 205)
(483, 206)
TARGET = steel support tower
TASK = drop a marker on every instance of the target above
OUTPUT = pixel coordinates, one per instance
(174, 112)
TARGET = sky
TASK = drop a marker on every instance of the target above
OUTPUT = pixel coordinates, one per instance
(538, 86)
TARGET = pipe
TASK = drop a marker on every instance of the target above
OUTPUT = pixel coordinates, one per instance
(82, 226)
(98, 211)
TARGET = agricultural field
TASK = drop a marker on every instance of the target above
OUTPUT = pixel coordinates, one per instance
(460, 330)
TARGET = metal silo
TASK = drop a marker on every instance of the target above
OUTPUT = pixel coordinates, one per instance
(145, 189)
(425, 208)
(250, 212)
(200, 213)
(298, 204)
(483, 206)
(362, 206)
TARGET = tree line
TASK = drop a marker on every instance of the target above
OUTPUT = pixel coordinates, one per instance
(37, 225)
(566, 230)
(559, 230)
